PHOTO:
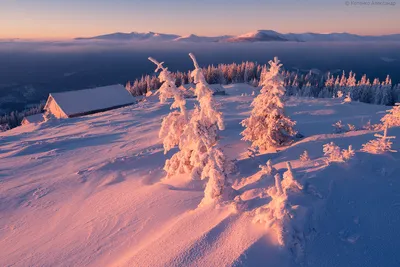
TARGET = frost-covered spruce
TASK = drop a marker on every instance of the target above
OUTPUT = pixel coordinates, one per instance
(268, 127)
(347, 99)
(200, 136)
(304, 156)
(347, 154)
(380, 145)
(289, 181)
(174, 123)
(392, 119)
(338, 127)
(268, 169)
(333, 152)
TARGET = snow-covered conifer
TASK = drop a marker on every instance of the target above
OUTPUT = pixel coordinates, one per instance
(392, 119)
(380, 145)
(174, 123)
(338, 127)
(347, 99)
(199, 154)
(347, 154)
(289, 181)
(268, 126)
(304, 156)
(351, 127)
(268, 169)
(333, 152)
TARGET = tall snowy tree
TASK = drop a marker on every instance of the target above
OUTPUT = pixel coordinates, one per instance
(174, 123)
(199, 154)
(392, 119)
(268, 127)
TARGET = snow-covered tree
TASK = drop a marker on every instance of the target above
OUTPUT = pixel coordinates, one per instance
(338, 127)
(351, 127)
(304, 156)
(333, 152)
(380, 145)
(392, 119)
(289, 181)
(268, 169)
(347, 99)
(174, 123)
(268, 127)
(347, 154)
(199, 154)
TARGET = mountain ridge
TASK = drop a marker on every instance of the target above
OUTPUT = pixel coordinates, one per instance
(250, 37)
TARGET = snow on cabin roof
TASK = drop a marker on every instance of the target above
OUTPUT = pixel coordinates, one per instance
(217, 87)
(33, 118)
(89, 100)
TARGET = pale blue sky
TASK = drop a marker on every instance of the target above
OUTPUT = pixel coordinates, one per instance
(72, 18)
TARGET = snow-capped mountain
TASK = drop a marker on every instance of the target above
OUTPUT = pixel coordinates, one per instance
(201, 39)
(133, 36)
(269, 35)
(259, 36)
(256, 36)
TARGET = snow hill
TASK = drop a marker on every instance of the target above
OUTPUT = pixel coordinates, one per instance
(133, 36)
(90, 191)
(257, 36)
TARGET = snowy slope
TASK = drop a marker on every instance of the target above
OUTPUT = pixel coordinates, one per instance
(90, 191)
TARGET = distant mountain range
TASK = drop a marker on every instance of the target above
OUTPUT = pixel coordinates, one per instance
(257, 36)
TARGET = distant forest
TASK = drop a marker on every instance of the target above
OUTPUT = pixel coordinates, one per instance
(311, 84)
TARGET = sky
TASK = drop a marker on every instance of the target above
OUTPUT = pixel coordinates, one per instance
(64, 19)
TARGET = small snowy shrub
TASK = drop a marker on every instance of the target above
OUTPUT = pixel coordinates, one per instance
(349, 153)
(392, 119)
(380, 145)
(338, 127)
(339, 94)
(289, 182)
(278, 215)
(304, 156)
(333, 152)
(268, 169)
(372, 127)
(352, 127)
(268, 127)
(347, 98)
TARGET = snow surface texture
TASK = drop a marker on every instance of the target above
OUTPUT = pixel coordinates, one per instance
(90, 191)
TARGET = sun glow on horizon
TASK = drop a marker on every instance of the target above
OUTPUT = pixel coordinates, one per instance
(56, 19)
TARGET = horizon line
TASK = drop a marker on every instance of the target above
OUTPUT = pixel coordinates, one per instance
(53, 38)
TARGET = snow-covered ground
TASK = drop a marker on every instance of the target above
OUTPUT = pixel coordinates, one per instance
(90, 191)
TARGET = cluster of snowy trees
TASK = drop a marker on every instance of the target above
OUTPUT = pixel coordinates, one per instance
(297, 84)
(15, 118)
(196, 135)
(246, 72)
